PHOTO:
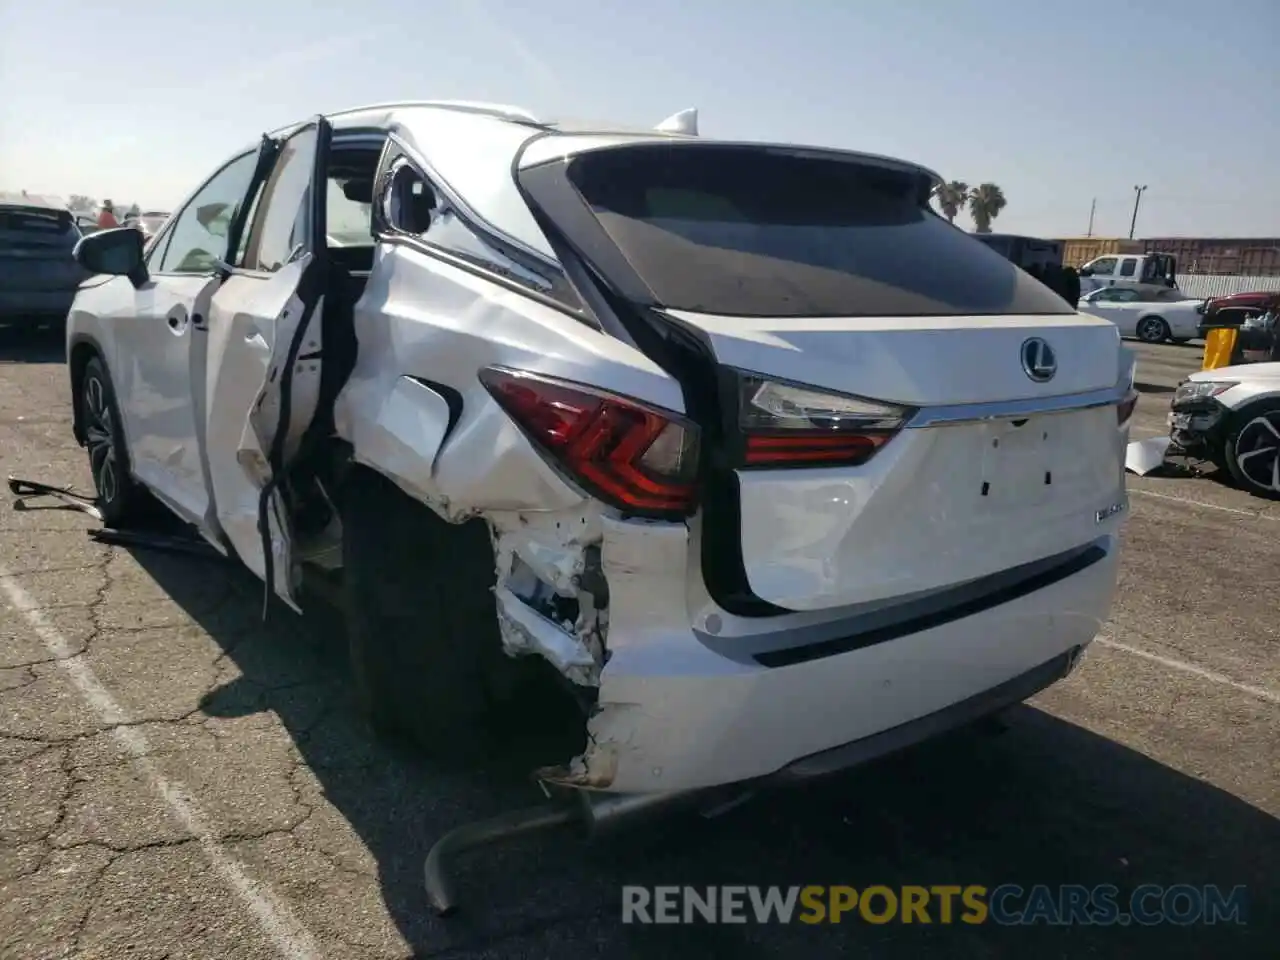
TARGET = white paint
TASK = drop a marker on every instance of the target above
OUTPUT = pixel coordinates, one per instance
(917, 361)
(685, 122)
(1145, 456)
(285, 931)
(1200, 503)
(833, 537)
(1262, 693)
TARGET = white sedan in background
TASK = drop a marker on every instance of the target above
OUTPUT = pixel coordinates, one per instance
(1147, 319)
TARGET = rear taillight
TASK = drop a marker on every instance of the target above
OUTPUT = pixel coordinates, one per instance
(635, 457)
(787, 425)
(1124, 409)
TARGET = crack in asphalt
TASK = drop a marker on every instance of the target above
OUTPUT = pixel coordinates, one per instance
(198, 826)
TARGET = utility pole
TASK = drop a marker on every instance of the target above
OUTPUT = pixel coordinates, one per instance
(1092, 207)
(1137, 199)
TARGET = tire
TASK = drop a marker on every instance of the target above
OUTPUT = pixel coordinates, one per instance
(426, 651)
(1152, 330)
(119, 498)
(1252, 449)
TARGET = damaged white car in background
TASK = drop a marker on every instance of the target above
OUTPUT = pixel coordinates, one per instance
(1229, 416)
(766, 464)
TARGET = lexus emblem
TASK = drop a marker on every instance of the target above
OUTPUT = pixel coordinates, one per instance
(1039, 362)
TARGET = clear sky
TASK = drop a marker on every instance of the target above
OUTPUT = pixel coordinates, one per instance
(1058, 103)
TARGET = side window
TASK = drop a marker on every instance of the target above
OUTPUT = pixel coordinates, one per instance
(408, 203)
(1104, 267)
(281, 225)
(347, 205)
(198, 235)
(1128, 296)
(411, 201)
(1128, 266)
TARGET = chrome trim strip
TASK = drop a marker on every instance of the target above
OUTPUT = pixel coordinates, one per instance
(1014, 409)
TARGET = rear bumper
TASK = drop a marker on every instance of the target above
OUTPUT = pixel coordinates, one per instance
(1007, 694)
(673, 714)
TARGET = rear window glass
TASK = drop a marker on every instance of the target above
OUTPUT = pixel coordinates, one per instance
(751, 231)
(38, 226)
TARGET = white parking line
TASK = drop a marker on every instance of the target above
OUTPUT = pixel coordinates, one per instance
(1201, 503)
(1262, 693)
(288, 934)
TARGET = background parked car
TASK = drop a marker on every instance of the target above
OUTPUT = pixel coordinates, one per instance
(38, 271)
(1233, 310)
(1144, 314)
(148, 223)
(1231, 416)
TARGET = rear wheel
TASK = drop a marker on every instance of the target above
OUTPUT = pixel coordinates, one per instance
(426, 651)
(1252, 450)
(118, 496)
(1152, 330)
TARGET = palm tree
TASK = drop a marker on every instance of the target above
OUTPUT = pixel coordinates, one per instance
(986, 200)
(951, 197)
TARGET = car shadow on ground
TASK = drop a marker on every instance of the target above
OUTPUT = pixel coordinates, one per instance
(19, 344)
(1045, 802)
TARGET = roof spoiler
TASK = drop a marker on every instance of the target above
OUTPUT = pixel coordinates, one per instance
(685, 122)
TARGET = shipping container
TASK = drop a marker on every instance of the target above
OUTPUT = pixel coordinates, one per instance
(1077, 251)
(1254, 256)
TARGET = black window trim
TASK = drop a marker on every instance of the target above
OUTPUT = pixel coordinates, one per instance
(236, 269)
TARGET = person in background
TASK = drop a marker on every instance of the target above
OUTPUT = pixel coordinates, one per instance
(107, 218)
(1257, 336)
(1070, 285)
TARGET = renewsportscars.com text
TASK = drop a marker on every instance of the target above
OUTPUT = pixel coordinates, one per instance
(1006, 905)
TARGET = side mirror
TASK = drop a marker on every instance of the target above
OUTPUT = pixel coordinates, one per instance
(116, 252)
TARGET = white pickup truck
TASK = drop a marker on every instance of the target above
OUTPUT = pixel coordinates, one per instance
(1150, 272)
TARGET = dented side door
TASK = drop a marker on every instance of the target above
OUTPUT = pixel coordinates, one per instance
(265, 355)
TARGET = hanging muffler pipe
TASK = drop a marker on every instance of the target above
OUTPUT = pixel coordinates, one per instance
(598, 812)
(505, 826)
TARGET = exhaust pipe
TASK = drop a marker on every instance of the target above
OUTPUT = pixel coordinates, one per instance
(598, 813)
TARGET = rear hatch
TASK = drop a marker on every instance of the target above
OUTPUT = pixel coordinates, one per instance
(36, 249)
(901, 409)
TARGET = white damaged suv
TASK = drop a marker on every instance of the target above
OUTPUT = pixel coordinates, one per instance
(774, 468)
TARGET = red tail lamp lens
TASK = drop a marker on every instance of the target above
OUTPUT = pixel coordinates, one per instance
(628, 454)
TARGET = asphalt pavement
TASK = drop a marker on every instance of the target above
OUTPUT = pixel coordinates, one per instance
(180, 779)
